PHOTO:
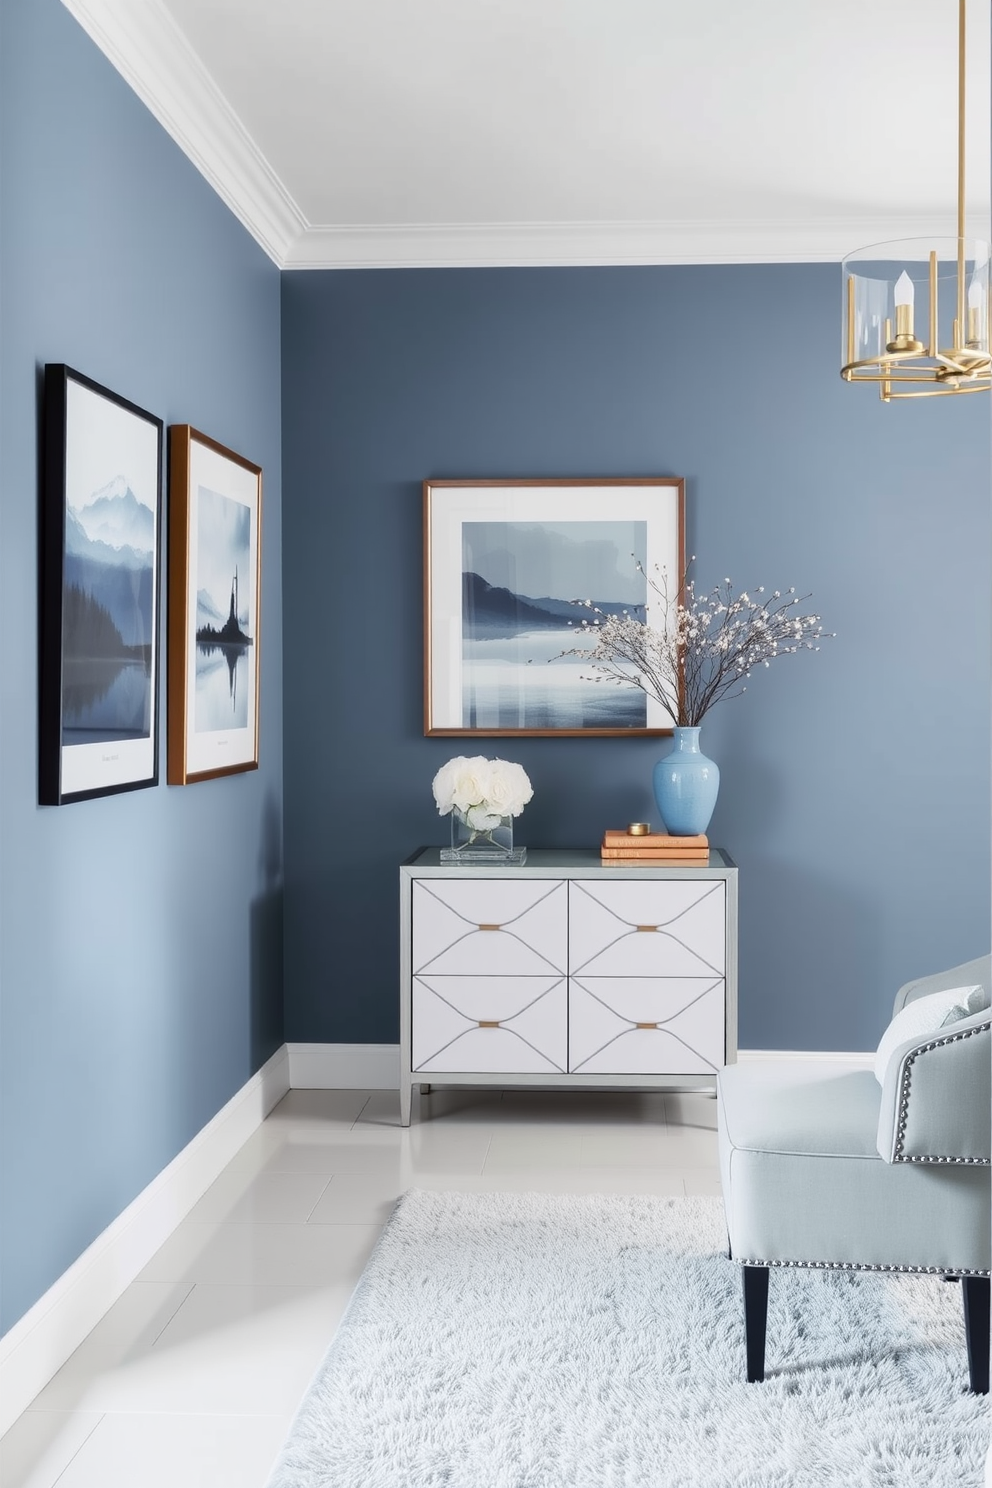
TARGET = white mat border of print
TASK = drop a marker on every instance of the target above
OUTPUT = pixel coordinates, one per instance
(523, 1340)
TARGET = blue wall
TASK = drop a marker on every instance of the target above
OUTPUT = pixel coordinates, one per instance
(855, 791)
(133, 1003)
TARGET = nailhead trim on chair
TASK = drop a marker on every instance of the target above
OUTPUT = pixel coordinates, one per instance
(855, 1266)
(898, 1155)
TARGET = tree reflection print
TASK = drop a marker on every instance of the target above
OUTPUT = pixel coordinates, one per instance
(108, 596)
(223, 621)
(214, 565)
(100, 545)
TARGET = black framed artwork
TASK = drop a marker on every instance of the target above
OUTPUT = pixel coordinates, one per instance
(100, 565)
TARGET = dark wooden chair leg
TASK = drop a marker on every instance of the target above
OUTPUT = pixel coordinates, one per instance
(975, 1293)
(755, 1318)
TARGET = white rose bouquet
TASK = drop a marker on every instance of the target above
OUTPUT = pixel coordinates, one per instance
(483, 792)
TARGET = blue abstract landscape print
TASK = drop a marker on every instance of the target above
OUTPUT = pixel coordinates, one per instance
(520, 581)
(108, 616)
(223, 621)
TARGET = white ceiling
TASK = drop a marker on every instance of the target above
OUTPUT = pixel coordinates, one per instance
(389, 132)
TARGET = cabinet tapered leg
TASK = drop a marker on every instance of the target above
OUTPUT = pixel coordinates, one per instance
(406, 1095)
(755, 1318)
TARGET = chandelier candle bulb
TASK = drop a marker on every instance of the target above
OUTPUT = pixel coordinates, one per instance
(975, 298)
(904, 292)
(904, 298)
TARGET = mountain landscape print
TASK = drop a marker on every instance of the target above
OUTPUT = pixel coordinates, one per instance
(108, 633)
(224, 623)
(520, 581)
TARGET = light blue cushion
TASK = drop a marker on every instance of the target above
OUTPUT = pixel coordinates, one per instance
(923, 1016)
(976, 1002)
(969, 972)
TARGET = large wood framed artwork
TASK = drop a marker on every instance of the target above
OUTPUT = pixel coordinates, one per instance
(215, 547)
(101, 504)
(504, 563)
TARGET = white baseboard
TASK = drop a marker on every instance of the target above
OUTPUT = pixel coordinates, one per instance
(377, 1066)
(746, 1055)
(42, 1340)
(344, 1066)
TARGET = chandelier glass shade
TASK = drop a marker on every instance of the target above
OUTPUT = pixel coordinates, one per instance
(916, 313)
(916, 318)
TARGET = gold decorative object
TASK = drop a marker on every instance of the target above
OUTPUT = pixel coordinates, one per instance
(638, 829)
(940, 284)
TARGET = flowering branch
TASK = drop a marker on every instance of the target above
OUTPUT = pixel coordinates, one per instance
(705, 648)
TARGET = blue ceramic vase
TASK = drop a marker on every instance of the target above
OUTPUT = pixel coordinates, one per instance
(686, 783)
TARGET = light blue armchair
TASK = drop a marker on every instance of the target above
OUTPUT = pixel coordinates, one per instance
(823, 1164)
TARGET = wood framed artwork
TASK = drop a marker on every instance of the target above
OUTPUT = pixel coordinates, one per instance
(215, 550)
(100, 563)
(504, 564)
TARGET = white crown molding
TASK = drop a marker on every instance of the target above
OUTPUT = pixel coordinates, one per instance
(42, 1340)
(151, 53)
(154, 56)
(585, 244)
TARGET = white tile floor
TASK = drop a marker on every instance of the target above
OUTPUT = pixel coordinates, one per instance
(192, 1378)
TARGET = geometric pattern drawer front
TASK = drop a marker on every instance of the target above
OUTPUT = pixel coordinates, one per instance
(489, 1024)
(490, 927)
(649, 1025)
(644, 927)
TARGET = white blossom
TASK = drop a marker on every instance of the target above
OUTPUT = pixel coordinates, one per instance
(704, 646)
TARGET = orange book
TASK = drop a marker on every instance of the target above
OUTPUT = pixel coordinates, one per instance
(632, 855)
(613, 838)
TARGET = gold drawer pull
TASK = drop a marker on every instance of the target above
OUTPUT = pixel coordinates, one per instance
(490, 927)
(647, 929)
(484, 1023)
(645, 1025)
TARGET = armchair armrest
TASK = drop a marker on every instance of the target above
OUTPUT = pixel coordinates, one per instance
(937, 1096)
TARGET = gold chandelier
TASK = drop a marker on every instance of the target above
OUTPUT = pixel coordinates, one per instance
(894, 293)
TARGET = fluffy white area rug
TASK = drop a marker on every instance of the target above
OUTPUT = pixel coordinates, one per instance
(541, 1341)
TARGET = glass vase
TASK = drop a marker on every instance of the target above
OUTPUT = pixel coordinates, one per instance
(488, 844)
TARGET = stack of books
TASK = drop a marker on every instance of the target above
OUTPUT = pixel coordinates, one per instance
(654, 847)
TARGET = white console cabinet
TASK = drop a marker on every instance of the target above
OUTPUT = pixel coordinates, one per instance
(566, 972)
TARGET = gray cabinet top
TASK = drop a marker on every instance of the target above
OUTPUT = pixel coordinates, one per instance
(545, 862)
